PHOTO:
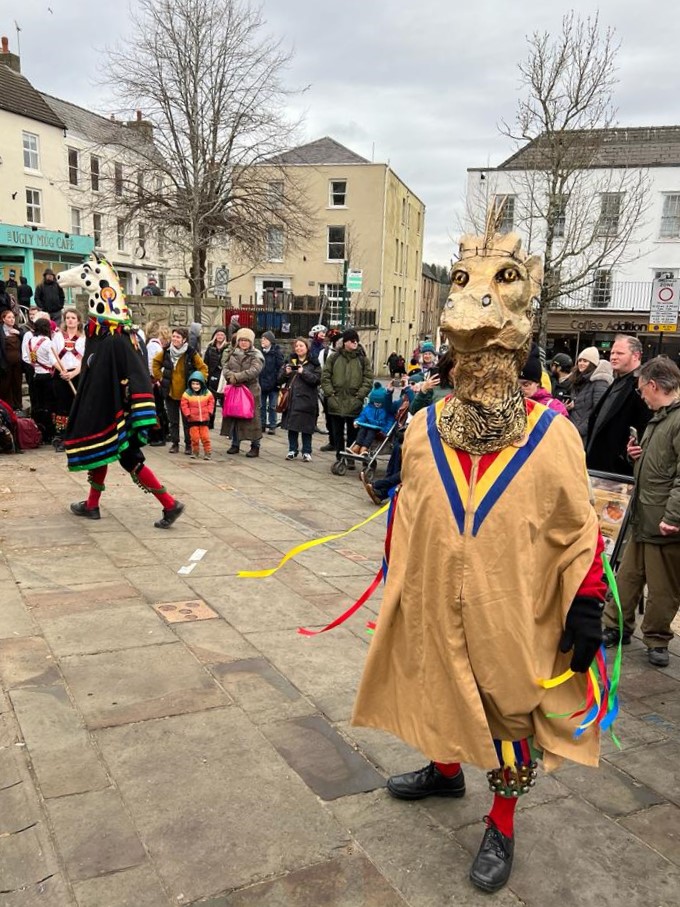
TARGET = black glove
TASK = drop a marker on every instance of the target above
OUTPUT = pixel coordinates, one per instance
(583, 632)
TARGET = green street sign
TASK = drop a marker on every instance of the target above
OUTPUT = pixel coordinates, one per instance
(354, 280)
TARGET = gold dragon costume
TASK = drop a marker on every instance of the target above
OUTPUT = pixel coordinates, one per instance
(495, 577)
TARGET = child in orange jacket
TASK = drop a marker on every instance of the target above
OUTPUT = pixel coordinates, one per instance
(197, 405)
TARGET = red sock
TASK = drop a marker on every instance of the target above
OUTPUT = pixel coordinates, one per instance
(448, 769)
(503, 814)
(146, 478)
(96, 479)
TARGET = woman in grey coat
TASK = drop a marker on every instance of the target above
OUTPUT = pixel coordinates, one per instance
(590, 379)
(243, 367)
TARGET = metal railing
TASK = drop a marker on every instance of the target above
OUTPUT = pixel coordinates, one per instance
(292, 323)
(627, 296)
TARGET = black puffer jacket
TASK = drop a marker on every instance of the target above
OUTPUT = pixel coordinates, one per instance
(303, 402)
(273, 360)
(49, 297)
(215, 359)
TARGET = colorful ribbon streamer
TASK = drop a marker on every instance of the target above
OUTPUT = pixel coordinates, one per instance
(305, 546)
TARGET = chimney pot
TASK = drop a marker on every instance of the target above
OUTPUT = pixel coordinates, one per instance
(139, 116)
(5, 45)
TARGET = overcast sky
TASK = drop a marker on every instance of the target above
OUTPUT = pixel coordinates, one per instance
(420, 84)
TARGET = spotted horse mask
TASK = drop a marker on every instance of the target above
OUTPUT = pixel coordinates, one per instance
(487, 323)
(106, 304)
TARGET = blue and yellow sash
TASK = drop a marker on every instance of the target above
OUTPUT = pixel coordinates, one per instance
(495, 478)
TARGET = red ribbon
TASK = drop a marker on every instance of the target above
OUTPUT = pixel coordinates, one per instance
(363, 598)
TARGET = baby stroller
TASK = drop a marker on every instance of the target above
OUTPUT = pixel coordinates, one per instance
(379, 450)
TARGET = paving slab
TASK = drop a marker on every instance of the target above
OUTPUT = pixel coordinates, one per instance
(260, 690)
(107, 626)
(631, 732)
(15, 619)
(159, 583)
(95, 834)
(61, 567)
(50, 892)
(26, 858)
(417, 857)
(215, 642)
(656, 765)
(611, 790)
(78, 597)
(27, 661)
(351, 881)
(323, 759)
(568, 853)
(19, 809)
(241, 795)
(63, 758)
(124, 550)
(136, 887)
(112, 688)
(659, 827)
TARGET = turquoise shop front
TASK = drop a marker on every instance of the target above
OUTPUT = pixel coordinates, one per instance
(28, 251)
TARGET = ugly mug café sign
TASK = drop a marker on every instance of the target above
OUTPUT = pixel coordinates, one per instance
(45, 240)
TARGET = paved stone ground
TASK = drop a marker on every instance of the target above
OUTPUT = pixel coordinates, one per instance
(147, 763)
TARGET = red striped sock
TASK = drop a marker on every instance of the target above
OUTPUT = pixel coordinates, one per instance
(448, 769)
(147, 478)
(95, 478)
(503, 814)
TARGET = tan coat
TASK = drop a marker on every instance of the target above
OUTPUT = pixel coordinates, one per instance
(470, 619)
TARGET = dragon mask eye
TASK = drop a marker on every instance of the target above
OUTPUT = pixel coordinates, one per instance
(508, 275)
(460, 278)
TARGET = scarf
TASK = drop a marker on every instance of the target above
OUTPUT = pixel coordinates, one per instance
(176, 354)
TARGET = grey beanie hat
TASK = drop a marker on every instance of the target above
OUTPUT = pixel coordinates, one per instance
(270, 335)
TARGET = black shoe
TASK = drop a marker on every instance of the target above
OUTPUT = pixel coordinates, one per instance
(233, 450)
(492, 866)
(327, 447)
(658, 657)
(253, 452)
(59, 447)
(271, 431)
(610, 638)
(169, 516)
(81, 509)
(426, 782)
(156, 443)
(174, 448)
(187, 451)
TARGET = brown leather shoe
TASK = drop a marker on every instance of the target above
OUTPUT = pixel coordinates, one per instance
(370, 490)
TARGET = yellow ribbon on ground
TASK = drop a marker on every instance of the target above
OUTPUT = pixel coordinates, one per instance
(260, 574)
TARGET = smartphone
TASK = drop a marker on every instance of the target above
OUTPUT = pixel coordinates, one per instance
(634, 437)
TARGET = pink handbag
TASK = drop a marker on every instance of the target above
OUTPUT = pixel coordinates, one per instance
(239, 403)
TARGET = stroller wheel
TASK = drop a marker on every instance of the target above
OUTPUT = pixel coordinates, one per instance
(369, 472)
(339, 468)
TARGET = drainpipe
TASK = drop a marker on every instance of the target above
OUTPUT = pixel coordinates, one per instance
(376, 357)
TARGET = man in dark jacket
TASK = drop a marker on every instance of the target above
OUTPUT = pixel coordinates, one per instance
(347, 379)
(152, 288)
(652, 555)
(49, 296)
(560, 376)
(619, 410)
(24, 292)
(269, 381)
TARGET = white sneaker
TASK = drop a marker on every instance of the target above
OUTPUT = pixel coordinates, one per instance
(306, 458)
(291, 455)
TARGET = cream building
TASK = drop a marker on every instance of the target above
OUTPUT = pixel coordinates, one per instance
(363, 214)
(58, 162)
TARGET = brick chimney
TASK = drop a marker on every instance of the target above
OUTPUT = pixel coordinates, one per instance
(8, 58)
(144, 127)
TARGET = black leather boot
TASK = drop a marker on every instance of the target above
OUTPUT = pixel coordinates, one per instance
(81, 509)
(492, 866)
(169, 516)
(426, 782)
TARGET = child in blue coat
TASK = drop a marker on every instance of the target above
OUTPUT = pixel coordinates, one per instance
(376, 416)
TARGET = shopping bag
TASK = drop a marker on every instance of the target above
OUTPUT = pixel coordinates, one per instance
(239, 403)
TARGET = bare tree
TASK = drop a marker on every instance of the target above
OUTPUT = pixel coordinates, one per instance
(580, 213)
(210, 85)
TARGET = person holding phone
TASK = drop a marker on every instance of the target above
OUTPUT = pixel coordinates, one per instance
(301, 374)
(652, 555)
(590, 380)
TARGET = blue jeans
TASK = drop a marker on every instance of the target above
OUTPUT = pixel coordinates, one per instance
(268, 405)
(306, 442)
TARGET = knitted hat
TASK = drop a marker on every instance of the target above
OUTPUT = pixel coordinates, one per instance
(219, 331)
(270, 336)
(532, 370)
(378, 394)
(591, 354)
(245, 334)
(350, 334)
(427, 347)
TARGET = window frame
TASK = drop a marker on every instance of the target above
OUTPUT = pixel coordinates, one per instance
(121, 234)
(97, 230)
(118, 178)
(32, 135)
(275, 250)
(330, 242)
(667, 197)
(601, 289)
(95, 172)
(608, 223)
(275, 191)
(332, 193)
(73, 168)
(506, 223)
(33, 204)
(76, 221)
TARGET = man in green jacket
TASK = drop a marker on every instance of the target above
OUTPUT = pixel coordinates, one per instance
(652, 555)
(346, 380)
